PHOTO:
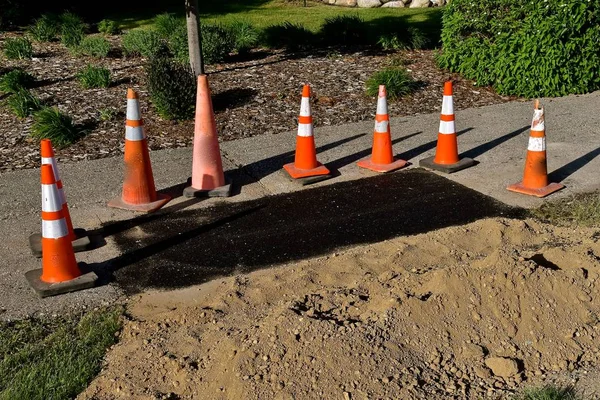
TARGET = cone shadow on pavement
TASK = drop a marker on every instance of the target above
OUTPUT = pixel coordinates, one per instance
(425, 147)
(485, 147)
(570, 168)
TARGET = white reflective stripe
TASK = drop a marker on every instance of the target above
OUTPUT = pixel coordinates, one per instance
(537, 144)
(447, 105)
(305, 130)
(54, 229)
(382, 106)
(305, 107)
(537, 124)
(52, 161)
(133, 110)
(51, 200)
(381, 126)
(134, 133)
(447, 127)
(61, 194)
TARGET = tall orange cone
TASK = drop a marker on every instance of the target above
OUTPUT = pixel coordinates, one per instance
(79, 237)
(446, 153)
(382, 157)
(139, 193)
(60, 272)
(208, 178)
(535, 176)
(305, 168)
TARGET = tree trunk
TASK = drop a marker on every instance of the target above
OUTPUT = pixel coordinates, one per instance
(194, 36)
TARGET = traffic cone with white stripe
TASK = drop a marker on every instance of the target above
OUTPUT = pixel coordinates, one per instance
(79, 237)
(535, 176)
(305, 168)
(208, 178)
(60, 272)
(139, 193)
(446, 153)
(382, 157)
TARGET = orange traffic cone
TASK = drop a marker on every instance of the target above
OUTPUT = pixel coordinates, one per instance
(535, 177)
(382, 157)
(305, 168)
(446, 153)
(79, 237)
(60, 272)
(139, 192)
(208, 178)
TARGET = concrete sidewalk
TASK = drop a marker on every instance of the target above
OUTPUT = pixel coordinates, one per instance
(496, 136)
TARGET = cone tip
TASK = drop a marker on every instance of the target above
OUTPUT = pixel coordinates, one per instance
(448, 88)
(306, 91)
(382, 92)
(131, 94)
(47, 175)
(536, 104)
(46, 148)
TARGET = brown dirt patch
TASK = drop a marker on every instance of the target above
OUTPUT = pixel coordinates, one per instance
(412, 317)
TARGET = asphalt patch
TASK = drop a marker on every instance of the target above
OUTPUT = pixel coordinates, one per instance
(188, 247)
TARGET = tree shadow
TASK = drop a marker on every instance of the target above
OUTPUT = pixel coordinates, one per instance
(570, 168)
(232, 98)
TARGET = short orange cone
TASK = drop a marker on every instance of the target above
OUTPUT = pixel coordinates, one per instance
(208, 178)
(60, 272)
(305, 168)
(139, 193)
(535, 177)
(79, 237)
(446, 153)
(382, 157)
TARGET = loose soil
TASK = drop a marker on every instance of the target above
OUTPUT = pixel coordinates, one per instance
(469, 312)
(259, 95)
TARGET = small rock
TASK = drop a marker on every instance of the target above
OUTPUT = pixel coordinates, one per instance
(369, 3)
(503, 367)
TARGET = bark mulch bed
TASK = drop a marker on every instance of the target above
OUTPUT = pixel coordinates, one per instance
(251, 97)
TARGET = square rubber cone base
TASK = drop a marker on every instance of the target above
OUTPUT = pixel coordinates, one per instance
(221, 191)
(82, 243)
(44, 289)
(446, 168)
(161, 200)
(541, 192)
(305, 177)
(368, 164)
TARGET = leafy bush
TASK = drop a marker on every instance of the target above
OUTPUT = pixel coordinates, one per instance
(72, 29)
(391, 42)
(178, 44)
(289, 36)
(344, 30)
(418, 40)
(537, 48)
(45, 28)
(18, 48)
(172, 88)
(15, 80)
(245, 36)
(396, 80)
(95, 46)
(50, 123)
(94, 77)
(142, 42)
(217, 43)
(23, 103)
(108, 27)
(166, 24)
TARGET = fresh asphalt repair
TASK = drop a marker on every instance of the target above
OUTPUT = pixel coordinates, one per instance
(189, 247)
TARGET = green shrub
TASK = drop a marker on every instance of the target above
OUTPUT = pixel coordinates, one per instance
(94, 77)
(391, 42)
(178, 44)
(72, 29)
(15, 80)
(537, 48)
(95, 46)
(108, 27)
(166, 24)
(289, 36)
(418, 40)
(396, 80)
(549, 393)
(172, 88)
(23, 103)
(45, 28)
(344, 30)
(142, 42)
(217, 43)
(18, 48)
(50, 123)
(245, 36)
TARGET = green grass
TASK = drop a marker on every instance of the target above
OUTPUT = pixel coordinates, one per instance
(50, 123)
(580, 210)
(54, 358)
(95, 46)
(23, 103)
(15, 80)
(549, 393)
(397, 82)
(92, 77)
(18, 48)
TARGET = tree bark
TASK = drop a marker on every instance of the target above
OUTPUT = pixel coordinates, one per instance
(194, 36)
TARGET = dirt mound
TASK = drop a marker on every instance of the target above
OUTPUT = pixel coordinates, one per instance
(463, 312)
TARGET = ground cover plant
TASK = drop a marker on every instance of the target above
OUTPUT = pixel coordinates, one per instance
(45, 28)
(95, 46)
(549, 392)
(108, 27)
(397, 81)
(50, 123)
(92, 77)
(15, 80)
(172, 88)
(72, 30)
(579, 210)
(144, 42)
(23, 103)
(17, 48)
